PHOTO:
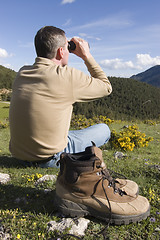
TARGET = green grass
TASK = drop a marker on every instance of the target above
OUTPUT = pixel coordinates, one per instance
(25, 209)
(4, 108)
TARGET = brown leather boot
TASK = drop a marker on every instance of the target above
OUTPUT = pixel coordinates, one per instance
(82, 188)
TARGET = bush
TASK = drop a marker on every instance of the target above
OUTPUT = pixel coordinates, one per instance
(80, 121)
(129, 138)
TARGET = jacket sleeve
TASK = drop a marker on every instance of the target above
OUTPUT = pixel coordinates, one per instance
(88, 88)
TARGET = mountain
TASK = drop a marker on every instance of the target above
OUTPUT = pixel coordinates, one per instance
(6, 77)
(150, 76)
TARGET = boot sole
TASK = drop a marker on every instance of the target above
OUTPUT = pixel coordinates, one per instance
(72, 209)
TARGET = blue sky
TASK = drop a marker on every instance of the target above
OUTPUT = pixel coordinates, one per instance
(124, 35)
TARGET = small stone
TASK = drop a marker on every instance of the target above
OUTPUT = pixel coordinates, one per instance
(1, 229)
(4, 178)
(3, 234)
(79, 229)
(76, 228)
(47, 190)
(46, 178)
(157, 229)
(119, 155)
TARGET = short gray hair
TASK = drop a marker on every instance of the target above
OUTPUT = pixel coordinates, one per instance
(47, 41)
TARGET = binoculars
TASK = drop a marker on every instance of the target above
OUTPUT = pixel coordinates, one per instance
(71, 46)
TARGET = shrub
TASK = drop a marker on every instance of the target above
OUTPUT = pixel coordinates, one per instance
(80, 121)
(129, 138)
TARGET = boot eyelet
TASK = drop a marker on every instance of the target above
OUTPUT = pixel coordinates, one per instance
(121, 193)
(98, 173)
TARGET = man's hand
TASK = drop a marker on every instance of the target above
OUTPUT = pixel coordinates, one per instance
(82, 48)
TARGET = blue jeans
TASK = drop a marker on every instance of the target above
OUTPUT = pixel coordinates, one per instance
(78, 140)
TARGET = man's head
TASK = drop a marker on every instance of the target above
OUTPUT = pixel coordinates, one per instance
(51, 43)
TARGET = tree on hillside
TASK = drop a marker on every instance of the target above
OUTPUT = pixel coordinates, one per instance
(6, 77)
(128, 100)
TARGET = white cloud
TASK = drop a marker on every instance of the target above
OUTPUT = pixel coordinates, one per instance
(68, 22)
(84, 35)
(147, 60)
(109, 22)
(142, 61)
(3, 53)
(118, 21)
(67, 1)
(117, 64)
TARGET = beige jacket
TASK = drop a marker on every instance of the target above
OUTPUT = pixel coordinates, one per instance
(41, 105)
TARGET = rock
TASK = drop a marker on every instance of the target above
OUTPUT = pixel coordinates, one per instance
(77, 227)
(157, 229)
(119, 155)
(46, 178)
(47, 190)
(4, 178)
(3, 235)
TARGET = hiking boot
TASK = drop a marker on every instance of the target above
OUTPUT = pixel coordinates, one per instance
(82, 188)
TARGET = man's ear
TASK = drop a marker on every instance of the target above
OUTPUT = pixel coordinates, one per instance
(59, 53)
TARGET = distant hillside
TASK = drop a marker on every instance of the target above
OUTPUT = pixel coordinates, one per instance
(150, 76)
(6, 77)
(130, 99)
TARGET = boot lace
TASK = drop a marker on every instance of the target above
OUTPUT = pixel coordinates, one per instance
(115, 174)
(111, 183)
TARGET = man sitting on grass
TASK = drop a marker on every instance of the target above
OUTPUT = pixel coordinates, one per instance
(43, 97)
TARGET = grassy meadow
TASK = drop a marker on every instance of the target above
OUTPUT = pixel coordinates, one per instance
(25, 209)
